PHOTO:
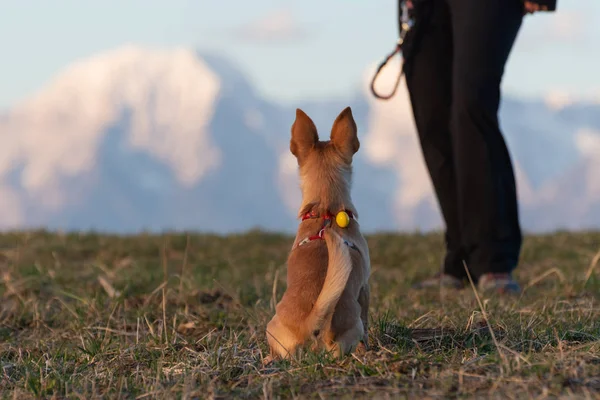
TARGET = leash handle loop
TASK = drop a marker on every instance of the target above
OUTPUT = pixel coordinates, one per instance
(405, 26)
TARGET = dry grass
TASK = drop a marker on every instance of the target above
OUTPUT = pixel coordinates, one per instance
(178, 316)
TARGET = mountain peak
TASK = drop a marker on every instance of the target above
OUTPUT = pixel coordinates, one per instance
(168, 95)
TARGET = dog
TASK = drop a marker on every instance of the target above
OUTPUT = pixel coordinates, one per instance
(326, 302)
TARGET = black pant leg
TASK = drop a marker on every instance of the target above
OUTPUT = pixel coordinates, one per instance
(429, 81)
(484, 33)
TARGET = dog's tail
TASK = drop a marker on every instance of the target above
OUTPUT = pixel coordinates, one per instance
(338, 271)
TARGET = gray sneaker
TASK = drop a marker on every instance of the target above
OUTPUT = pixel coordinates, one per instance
(499, 283)
(440, 280)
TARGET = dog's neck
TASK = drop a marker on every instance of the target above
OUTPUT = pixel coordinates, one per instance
(325, 191)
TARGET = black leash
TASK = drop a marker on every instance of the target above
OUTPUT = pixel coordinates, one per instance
(405, 24)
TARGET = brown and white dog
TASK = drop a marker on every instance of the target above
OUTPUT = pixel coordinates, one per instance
(327, 297)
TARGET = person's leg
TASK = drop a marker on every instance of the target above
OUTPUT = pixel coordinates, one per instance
(484, 33)
(429, 81)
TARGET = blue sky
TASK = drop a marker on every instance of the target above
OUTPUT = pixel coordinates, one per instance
(320, 48)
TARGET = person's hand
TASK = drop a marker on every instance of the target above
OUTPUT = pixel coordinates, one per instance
(532, 7)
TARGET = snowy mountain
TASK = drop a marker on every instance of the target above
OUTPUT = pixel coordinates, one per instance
(138, 138)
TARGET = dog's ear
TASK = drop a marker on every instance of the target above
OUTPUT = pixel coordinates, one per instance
(304, 135)
(344, 134)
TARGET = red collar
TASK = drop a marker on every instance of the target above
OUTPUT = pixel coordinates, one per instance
(326, 216)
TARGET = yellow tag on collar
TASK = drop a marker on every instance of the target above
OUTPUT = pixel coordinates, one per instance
(342, 219)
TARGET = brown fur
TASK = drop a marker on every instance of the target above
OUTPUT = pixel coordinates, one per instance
(327, 295)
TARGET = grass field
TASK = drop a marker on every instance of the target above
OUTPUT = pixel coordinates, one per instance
(178, 316)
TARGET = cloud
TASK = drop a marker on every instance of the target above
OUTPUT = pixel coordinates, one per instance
(558, 99)
(278, 26)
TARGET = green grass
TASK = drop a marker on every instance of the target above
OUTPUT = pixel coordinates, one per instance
(178, 316)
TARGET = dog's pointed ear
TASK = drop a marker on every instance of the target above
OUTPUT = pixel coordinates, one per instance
(304, 135)
(344, 134)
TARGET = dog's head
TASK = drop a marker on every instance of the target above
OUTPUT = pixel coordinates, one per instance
(325, 166)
